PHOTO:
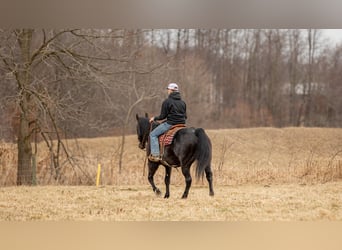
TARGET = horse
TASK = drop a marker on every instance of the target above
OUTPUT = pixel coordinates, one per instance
(188, 145)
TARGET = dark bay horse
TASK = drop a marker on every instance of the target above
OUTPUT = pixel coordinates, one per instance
(189, 145)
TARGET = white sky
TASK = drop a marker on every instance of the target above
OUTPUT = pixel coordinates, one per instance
(335, 35)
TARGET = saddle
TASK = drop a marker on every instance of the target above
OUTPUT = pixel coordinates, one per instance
(167, 138)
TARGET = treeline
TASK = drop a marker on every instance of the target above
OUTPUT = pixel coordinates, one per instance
(86, 83)
(263, 77)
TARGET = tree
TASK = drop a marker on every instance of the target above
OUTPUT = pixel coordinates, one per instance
(49, 68)
(138, 65)
(310, 77)
(294, 73)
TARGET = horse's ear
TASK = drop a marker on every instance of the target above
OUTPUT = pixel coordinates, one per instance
(146, 115)
(137, 117)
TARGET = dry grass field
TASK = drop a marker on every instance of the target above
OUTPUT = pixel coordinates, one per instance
(289, 202)
(260, 174)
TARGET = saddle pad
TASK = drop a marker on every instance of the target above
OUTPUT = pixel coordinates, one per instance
(167, 138)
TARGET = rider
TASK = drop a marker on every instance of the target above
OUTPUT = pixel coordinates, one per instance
(173, 109)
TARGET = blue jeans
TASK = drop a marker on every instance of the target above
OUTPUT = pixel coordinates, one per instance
(162, 128)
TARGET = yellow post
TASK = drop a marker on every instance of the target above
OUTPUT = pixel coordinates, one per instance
(98, 174)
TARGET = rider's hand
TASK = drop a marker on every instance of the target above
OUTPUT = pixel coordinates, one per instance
(151, 119)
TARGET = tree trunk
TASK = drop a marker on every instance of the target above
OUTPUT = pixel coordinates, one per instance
(25, 173)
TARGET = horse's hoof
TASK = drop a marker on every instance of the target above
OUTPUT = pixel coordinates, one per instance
(158, 193)
(166, 196)
(211, 193)
(184, 196)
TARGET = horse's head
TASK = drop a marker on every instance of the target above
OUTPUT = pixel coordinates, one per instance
(143, 130)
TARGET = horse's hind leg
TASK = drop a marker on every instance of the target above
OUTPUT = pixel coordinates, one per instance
(209, 176)
(188, 180)
(167, 181)
(152, 168)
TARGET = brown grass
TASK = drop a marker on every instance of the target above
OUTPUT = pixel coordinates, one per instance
(240, 156)
(259, 174)
(137, 203)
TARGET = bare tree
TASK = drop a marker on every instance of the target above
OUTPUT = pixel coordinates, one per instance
(48, 67)
(136, 82)
(294, 69)
(306, 111)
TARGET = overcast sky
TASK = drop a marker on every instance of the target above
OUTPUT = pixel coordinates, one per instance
(335, 35)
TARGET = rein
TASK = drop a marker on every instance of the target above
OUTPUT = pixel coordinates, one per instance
(144, 138)
(147, 134)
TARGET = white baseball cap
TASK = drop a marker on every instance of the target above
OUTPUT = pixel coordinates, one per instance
(173, 86)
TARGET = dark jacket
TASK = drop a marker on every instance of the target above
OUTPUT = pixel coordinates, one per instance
(173, 109)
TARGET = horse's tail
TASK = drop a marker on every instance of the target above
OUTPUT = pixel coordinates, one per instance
(203, 152)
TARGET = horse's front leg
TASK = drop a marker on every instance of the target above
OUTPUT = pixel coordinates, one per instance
(167, 181)
(152, 168)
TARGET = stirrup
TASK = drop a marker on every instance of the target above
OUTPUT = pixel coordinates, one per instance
(154, 158)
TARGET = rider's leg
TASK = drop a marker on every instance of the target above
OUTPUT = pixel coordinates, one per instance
(162, 128)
